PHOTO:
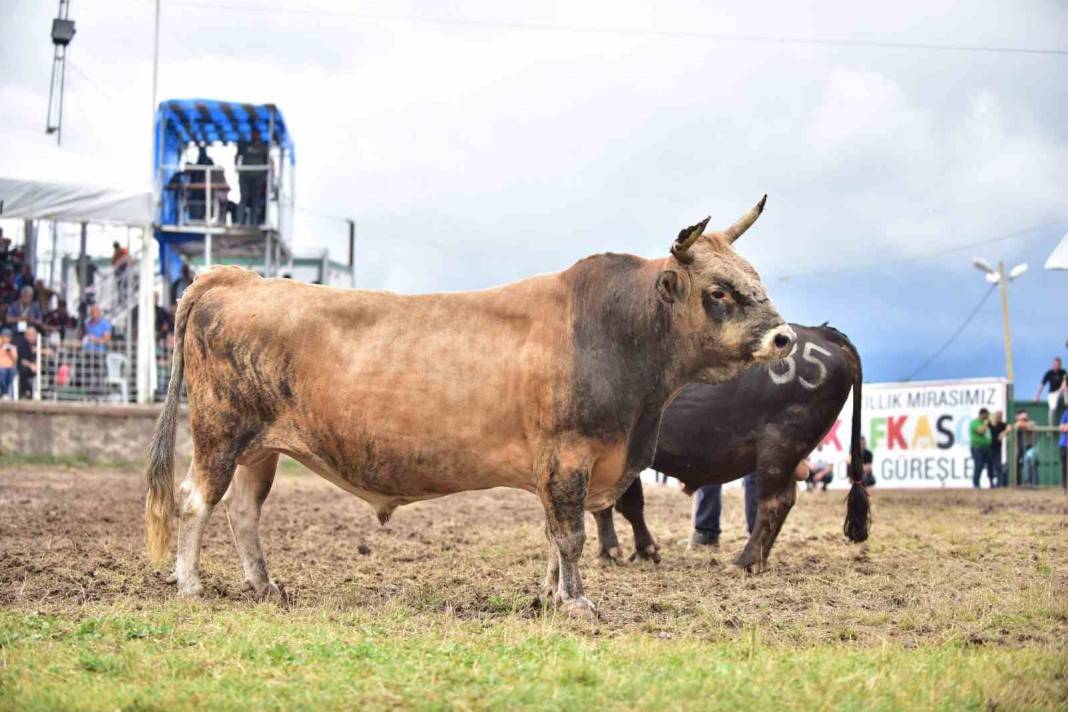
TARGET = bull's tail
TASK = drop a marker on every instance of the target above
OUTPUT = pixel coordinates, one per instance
(858, 504)
(159, 504)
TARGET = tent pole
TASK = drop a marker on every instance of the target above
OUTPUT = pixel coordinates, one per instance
(207, 250)
(146, 319)
(83, 266)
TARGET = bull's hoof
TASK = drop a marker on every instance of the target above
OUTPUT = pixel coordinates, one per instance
(580, 608)
(650, 552)
(190, 589)
(751, 568)
(172, 578)
(612, 556)
(269, 591)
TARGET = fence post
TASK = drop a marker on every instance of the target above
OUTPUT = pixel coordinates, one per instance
(40, 373)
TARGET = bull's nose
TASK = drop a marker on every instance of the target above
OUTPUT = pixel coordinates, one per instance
(782, 340)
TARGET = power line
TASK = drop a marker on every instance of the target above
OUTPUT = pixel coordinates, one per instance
(924, 255)
(956, 333)
(622, 31)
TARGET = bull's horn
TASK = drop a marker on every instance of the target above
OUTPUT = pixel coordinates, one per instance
(686, 238)
(735, 231)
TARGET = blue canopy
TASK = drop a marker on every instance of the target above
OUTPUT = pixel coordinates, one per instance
(181, 121)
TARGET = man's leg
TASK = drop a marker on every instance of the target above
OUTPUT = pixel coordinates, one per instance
(828, 477)
(977, 467)
(750, 484)
(1064, 468)
(708, 504)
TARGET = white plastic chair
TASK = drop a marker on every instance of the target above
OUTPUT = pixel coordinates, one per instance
(116, 365)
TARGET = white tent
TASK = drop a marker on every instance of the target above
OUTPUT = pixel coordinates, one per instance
(40, 181)
(1058, 259)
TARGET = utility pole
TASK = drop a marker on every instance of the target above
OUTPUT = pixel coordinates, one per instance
(1001, 278)
(62, 34)
(1003, 287)
(352, 252)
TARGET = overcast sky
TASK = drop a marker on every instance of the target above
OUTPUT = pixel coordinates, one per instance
(474, 154)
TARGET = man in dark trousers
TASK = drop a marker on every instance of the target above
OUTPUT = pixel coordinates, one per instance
(708, 505)
(252, 158)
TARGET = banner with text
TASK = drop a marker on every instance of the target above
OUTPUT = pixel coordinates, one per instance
(917, 432)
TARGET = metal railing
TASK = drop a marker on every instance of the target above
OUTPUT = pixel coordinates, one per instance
(202, 196)
(1038, 457)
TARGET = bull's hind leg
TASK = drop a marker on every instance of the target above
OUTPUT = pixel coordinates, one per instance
(243, 504)
(776, 494)
(632, 506)
(201, 490)
(563, 490)
(611, 552)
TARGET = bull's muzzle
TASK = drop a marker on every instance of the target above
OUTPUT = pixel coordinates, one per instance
(778, 343)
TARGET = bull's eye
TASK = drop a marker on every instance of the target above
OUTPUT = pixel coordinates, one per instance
(718, 294)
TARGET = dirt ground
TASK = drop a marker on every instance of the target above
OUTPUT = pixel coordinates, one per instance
(977, 567)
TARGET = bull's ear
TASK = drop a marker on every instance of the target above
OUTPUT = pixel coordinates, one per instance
(670, 287)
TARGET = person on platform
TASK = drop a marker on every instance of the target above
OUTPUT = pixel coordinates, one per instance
(1057, 380)
(252, 157)
(979, 440)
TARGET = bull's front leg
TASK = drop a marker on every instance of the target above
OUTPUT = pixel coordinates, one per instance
(632, 506)
(563, 489)
(611, 552)
(776, 494)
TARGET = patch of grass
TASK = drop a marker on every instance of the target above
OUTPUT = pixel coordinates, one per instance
(199, 655)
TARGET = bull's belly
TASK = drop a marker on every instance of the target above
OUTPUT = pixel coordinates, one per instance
(388, 471)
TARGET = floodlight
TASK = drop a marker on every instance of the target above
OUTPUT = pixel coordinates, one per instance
(983, 265)
(993, 277)
(1018, 270)
(62, 31)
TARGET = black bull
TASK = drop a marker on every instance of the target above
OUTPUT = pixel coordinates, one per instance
(765, 421)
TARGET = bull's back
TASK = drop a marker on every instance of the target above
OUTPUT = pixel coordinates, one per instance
(400, 395)
(715, 433)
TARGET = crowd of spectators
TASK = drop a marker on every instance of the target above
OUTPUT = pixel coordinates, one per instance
(37, 318)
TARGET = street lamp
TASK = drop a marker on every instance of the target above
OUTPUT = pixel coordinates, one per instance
(1000, 278)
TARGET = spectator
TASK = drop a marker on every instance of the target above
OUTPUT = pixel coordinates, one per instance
(1000, 473)
(59, 319)
(44, 296)
(25, 312)
(5, 243)
(182, 283)
(9, 361)
(96, 332)
(979, 439)
(708, 505)
(1057, 380)
(1064, 451)
(8, 291)
(821, 471)
(25, 277)
(1026, 458)
(26, 344)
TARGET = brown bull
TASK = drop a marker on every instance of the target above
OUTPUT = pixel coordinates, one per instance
(553, 384)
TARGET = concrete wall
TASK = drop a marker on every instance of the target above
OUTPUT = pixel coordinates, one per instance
(108, 433)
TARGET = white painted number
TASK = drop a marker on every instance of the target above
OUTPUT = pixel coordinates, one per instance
(791, 367)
